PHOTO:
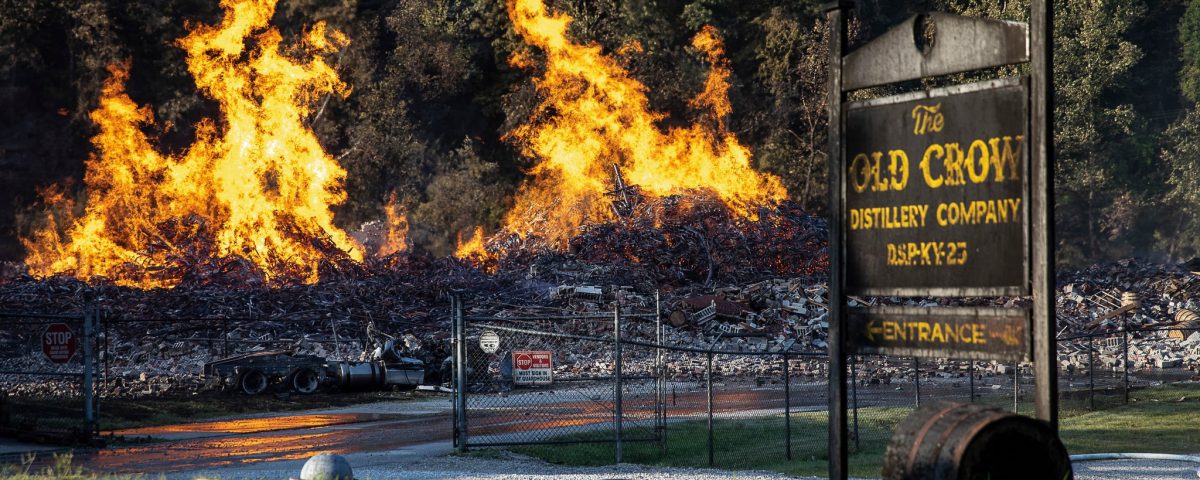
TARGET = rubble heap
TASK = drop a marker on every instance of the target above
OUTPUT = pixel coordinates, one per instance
(1156, 302)
(724, 282)
(158, 338)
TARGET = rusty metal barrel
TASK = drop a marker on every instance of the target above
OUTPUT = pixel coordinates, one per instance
(960, 441)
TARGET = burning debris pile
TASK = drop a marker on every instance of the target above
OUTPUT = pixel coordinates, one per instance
(676, 240)
(251, 197)
(236, 242)
(687, 247)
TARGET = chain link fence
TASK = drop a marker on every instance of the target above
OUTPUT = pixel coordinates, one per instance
(757, 408)
(59, 349)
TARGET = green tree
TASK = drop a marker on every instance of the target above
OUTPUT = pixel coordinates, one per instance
(1104, 170)
(1181, 149)
(792, 64)
(1189, 39)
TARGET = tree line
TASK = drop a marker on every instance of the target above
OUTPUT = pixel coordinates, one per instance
(434, 93)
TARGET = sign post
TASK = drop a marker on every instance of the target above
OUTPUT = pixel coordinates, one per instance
(838, 429)
(943, 192)
(58, 343)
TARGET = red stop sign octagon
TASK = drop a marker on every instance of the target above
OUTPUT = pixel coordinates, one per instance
(58, 343)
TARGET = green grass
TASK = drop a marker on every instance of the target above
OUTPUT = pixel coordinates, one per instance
(1160, 420)
(61, 468)
(741, 444)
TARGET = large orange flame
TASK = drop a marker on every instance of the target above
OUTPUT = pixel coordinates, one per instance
(256, 180)
(595, 115)
(472, 248)
(396, 240)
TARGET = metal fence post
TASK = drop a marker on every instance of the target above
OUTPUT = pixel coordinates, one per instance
(708, 381)
(89, 335)
(854, 396)
(660, 372)
(787, 407)
(917, 379)
(460, 354)
(1016, 387)
(971, 373)
(454, 371)
(1125, 362)
(105, 351)
(617, 385)
(1091, 373)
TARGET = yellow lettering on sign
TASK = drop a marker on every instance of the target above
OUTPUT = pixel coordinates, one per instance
(860, 172)
(888, 218)
(1005, 157)
(946, 333)
(926, 254)
(898, 168)
(954, 165)
(978, 169)
(978, 212)
(934, 151)
(927, 119)
(996, 153)
(877, 184)
(866, 170)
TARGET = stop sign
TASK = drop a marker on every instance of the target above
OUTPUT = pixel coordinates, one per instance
(524, 362)
(58, 343)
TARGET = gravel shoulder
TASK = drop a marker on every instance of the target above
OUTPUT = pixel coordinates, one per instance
(435, 462)
(1135, 470)
(428, 463)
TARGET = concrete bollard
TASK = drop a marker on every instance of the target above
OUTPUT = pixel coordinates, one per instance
(326, 466)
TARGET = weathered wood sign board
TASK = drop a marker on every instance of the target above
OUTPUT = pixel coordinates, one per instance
(968, 333)
(941, 193)
(935, 192)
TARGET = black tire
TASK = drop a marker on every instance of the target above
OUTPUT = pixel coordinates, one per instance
(305, 381)
(252, 382)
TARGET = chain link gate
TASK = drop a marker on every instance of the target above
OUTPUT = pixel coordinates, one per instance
(32, 353)
(589, 378)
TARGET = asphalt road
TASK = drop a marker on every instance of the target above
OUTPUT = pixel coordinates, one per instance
(386, 436)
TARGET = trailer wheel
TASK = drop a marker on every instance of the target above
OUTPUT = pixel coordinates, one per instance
(252, 382)
(305, 381)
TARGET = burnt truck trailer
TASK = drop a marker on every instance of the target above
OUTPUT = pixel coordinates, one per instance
(282, 370)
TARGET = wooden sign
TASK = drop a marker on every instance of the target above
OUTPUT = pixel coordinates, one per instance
(964, 333)
(936, 192)
(941, 193)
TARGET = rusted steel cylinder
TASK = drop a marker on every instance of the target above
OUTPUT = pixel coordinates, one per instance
(360, 375)
(960, 441)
